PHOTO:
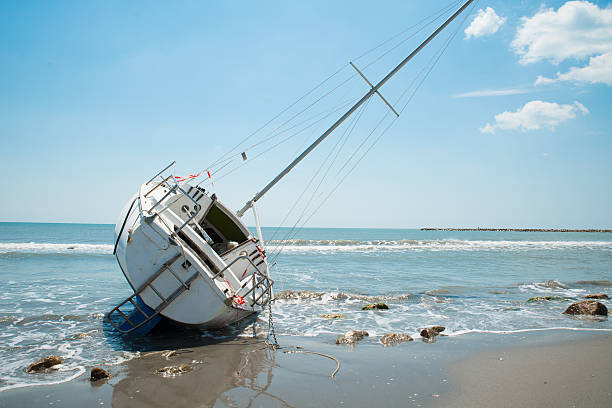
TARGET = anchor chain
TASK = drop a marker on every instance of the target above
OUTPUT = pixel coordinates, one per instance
(271, 330)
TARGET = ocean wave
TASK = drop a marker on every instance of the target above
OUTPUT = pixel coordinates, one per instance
(311, 295)
(602, 282)
(49, 248)
(46, 318)
(553, 287)
(303, 245)
(341, 245)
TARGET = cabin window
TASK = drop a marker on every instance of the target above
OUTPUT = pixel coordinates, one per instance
(221, 228)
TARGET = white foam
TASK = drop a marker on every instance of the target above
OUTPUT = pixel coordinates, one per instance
(49, 248)
(300, 245)
(468, 331)
(79, 372)
(431, 245)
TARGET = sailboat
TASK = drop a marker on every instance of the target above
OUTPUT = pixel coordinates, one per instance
(189, 258)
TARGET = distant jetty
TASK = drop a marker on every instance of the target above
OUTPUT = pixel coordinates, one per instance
(517, 229)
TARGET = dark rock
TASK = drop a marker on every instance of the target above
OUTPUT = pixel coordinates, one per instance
(98, 373)
(352, 337)
(392, 339)
(597, 296)
(429, 333)
(375, 306)
(44, 364)
(587, 307)
(547, 298)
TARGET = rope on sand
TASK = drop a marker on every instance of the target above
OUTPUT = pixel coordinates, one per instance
(333, 374)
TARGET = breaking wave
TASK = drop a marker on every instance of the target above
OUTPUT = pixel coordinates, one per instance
(304, 245)
(49, 248)
(312, 295)
(324, 246)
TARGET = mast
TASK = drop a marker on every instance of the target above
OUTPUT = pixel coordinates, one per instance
(333, 127)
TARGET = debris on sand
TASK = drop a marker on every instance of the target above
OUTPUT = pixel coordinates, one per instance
(333, 316)
(172, 371)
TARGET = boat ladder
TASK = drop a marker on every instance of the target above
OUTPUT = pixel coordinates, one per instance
(142, 318)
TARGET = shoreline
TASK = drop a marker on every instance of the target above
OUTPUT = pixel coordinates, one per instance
(242, 372)
(516, 229)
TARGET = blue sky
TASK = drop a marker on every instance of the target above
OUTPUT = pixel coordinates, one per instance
(510, 129)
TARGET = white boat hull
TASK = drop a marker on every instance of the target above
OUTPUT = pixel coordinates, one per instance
(163, 247)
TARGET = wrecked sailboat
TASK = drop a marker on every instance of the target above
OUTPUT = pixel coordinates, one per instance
(189, 258)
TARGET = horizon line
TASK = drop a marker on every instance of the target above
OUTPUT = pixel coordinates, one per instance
(479, 228)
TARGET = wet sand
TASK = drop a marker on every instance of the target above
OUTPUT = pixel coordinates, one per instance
(453, 371)
(570, 374)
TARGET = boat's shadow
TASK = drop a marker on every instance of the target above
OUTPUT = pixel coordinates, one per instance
(179, 366)
(168, 336)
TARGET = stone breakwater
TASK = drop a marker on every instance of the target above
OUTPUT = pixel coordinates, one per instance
(517, 229)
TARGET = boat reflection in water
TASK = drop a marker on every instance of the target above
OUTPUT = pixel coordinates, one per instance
(236, 372)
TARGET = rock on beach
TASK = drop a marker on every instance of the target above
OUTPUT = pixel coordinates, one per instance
(429, 333)
(392, 339)
(376, 306)
(587, 307)
(352, 337)
(547, 298)
(98, 373)
(597, 296)
(44, 364)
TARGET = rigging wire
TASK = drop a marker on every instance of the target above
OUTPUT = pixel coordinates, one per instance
(288, 120)
(347, 132)
(350, 130)
(444, 9)
(238, 156)
(280, 113)
(428, 20)
(344, 105)
(431, 64)
(437, 17)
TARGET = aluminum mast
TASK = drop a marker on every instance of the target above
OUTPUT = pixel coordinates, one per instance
(333, 127)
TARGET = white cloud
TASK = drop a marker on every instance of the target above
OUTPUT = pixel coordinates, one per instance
(486, 22)
(599, 70)
(577, 30)
(492, 92)
(535, 115)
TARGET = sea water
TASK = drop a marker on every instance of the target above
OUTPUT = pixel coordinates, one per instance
(58, 280)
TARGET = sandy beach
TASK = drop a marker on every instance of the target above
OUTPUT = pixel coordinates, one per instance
(551, 369)
(306, 204)
(574, 373)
